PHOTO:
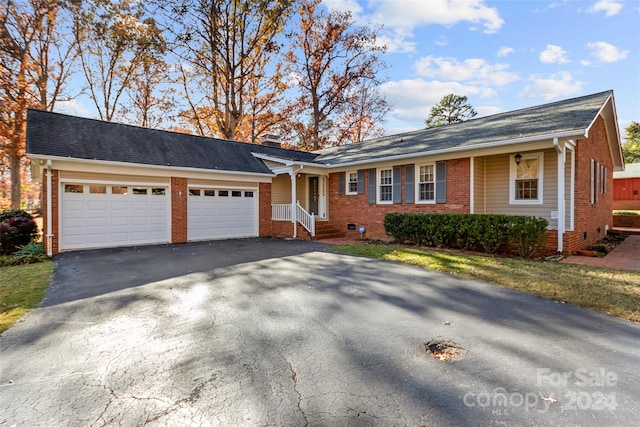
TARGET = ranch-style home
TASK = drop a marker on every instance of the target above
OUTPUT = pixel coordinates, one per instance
(108, 184)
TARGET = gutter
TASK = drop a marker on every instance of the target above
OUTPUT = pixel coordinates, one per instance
(49, 158)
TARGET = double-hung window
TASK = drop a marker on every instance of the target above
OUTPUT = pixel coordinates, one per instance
(385, 184)
(352, 183)
(426, 188)
(526, 179)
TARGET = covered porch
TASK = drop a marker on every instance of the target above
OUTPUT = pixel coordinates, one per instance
(301, 198)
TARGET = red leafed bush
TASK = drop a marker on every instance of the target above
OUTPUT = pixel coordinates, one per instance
(16, 229)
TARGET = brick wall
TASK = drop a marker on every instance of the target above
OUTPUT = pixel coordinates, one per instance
(55, 180)
(355, 209)
(264, 210)
(591, 219)
(179, 196)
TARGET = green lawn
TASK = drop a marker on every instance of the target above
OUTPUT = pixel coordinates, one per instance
(613, 292)
(22, 288)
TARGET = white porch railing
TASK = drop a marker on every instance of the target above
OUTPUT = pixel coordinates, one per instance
(307, 220)
(282, 212)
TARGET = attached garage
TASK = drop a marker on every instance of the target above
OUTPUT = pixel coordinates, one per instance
(108, 215)
(222, 213)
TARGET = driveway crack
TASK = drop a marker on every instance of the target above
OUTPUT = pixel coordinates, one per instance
(294, 378)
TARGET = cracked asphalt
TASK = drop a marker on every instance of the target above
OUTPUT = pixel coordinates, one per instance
(276, 332)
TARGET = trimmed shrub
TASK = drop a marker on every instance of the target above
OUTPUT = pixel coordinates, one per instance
(480, 232)
(17, 228)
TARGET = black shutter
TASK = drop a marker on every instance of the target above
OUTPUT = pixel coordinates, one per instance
(397, 185)
(372, 185)
(361, 181)
(341, 185)
(409, 190)
(441, 182)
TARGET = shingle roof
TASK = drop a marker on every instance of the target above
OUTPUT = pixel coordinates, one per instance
(54, 134)
(60, 135)
(569, 115)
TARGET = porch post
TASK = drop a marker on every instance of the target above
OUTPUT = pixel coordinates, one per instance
(561, 150)
(294, 192)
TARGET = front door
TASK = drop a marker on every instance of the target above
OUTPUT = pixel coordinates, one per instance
(314, 194)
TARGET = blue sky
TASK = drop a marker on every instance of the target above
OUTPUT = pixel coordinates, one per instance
(504, 55)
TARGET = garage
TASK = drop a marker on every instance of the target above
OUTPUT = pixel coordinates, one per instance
(94, 215)
(222, 213)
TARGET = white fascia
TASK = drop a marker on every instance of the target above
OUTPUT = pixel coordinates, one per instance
(145, 166)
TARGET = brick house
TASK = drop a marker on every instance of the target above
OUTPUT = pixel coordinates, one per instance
(108, 184)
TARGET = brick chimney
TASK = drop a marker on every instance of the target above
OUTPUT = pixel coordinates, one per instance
(272, 141)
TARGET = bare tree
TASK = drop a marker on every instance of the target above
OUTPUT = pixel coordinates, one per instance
(228, 47)
(331, 59)
(35, 63)
(114, 40)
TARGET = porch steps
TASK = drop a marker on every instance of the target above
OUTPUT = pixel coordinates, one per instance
(326, 231)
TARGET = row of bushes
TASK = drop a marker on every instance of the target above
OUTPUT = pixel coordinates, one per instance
(485, 233)
(18, 239)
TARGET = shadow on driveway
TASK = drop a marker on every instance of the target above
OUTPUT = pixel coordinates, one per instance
(86, 274)
(260, 331)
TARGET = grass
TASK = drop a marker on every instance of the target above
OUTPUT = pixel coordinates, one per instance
(612, 292)
(22, 288)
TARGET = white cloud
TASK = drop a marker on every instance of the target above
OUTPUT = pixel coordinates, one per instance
(553, 55)
(444, 12)
(396, 42)
(74, 108)
(412, 99)
(606, 52)
(505, 51)
(487, 110)
(554, 86)
(441, 41)
(473, 70)
(344, 6)
(609, 7)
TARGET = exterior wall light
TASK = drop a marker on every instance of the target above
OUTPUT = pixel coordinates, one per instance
(518, 158)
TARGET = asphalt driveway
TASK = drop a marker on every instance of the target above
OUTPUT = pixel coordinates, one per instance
(274, 332)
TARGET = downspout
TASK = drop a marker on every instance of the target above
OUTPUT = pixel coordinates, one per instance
(561, 196)
(294, 204)
(49, 235)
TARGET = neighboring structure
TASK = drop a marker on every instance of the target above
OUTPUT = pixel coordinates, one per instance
(108, 184)
(626, 188)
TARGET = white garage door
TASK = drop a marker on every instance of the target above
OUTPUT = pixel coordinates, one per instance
(99, 216)
(219, 213)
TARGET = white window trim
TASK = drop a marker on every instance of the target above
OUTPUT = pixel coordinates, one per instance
(346, 190)
(379, 183)
(417, 185)
(512, 179)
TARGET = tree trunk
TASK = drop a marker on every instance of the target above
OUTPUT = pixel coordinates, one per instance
(14, 166)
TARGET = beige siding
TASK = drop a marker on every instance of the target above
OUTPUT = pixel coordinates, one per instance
(301, 187)
(281, 190)
(497, 189)
(479, 185)
(105, 177)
